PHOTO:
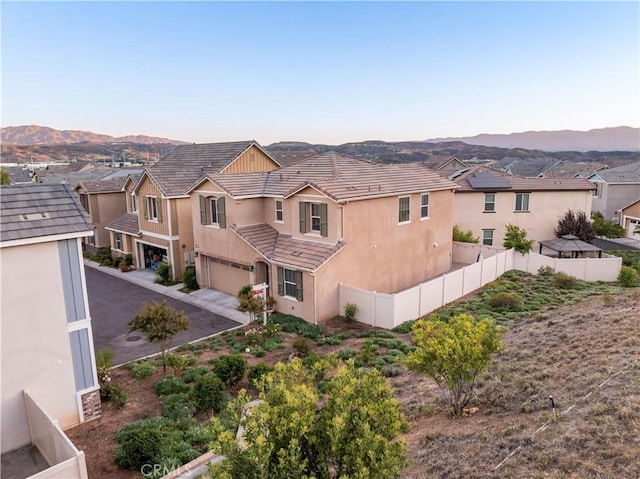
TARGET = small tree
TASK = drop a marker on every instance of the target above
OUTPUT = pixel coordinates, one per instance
(454, 353)
(159, 322)
(464, 237)
(516, 238)
(575, 223)
(249, 303)
(606, 228)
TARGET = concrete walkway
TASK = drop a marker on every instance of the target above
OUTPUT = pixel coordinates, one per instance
(211, 300)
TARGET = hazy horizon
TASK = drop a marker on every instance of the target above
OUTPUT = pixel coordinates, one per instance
(320, 72)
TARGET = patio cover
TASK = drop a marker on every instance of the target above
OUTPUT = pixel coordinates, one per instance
(570, 244)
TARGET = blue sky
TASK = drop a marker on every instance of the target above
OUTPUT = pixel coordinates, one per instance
(322, 72)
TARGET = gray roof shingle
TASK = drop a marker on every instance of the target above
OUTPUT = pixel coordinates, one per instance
(31, 211)
(285, 249)
(339, 177)
(185, 164)
(629, 173)
(127, 223)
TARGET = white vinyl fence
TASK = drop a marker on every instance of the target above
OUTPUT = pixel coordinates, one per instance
(389, 310)
(63, 457)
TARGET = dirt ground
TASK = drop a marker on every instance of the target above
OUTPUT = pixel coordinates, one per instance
(566, 352)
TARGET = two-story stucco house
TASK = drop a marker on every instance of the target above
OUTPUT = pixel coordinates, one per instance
(615, 189)
(307, 227)
(47, 343)
(164, 229)
(488, 200)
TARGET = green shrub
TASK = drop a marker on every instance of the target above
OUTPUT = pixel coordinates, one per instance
(116, 262)
(177, 363)
(302, 347)
(565, 281)
(178, 407)
(138, 446)
(163, 273)
(171, 385)
(192, 374)
(230, 369)
(347, 353)
(350, 311)
(627, 276)
(189, 278)
(143, 369)
(369, 351)
(118, 395)
(104, 358)
(503, 300)
(311, 331)
(257, 372)
(464, 237)
(404, 328)
(128, 260)
(545, 271)
(208, 393)
(106, 262)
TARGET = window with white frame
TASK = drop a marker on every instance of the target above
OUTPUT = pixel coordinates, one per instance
(522, 201)
(424, 205)
(313, 218)
(404, 215)
(489, 202)
(279, 211)
(152, 209)
(117, 241)
(290, 283)
(212, 211)
(487, 237)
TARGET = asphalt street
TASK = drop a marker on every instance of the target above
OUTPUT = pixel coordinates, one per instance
(113, 302)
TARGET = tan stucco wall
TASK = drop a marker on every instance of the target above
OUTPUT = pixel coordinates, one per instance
(545, 209)
(384, 256)
(36, 353)
(629, 218)
(109, 206)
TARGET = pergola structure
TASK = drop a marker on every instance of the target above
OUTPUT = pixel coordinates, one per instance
(571, 245)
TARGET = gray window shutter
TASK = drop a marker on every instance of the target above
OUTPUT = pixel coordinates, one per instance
(299, 285)
(146, 207)
(222, 219)
(323, 219)
(159, 209)
(303, 217)
(280, 281)
(203, 210)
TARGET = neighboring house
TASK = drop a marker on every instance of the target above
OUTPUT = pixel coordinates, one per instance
(165, 229)
(489, 200)
(630, 219)
(123, 229)
(17, 175)
(616, 188)
(529, 168)
(104, 201)
(47, 343)
(305, 228)
(451, 165)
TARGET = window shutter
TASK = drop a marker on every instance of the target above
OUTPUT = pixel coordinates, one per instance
(222, 219)
(280, 281)
(159, 209)
(146, 208)
(303, 217)
(323, 219)
(299, 285)
(203, 210)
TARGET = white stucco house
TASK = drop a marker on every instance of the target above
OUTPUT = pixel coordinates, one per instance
(47, 342)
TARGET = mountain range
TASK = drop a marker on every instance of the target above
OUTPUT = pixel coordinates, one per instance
(43, 135)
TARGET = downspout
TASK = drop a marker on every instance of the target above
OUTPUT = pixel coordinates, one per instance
(172, 259)
(315, 300)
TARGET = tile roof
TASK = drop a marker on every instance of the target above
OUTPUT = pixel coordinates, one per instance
(339, 177)
(519, 183)
(286, 158)
(629, 173)
(75, 177)
(31, 211)
(285, 249)
(530, 168)
(17, 174)
(185, 164)
(127, 223)
(103, 186)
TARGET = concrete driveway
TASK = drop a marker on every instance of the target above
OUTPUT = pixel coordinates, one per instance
(114, 301)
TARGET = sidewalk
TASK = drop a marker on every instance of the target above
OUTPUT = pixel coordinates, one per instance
(211, 300)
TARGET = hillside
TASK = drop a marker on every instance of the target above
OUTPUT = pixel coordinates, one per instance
(603, 139)
(42, 135)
